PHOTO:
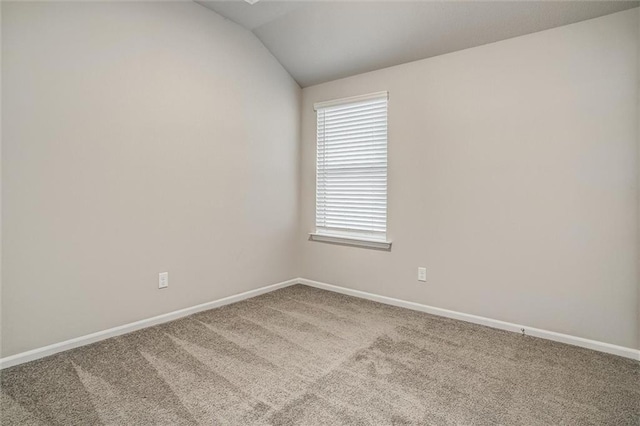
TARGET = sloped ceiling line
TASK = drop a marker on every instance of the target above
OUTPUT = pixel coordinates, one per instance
(319, 41)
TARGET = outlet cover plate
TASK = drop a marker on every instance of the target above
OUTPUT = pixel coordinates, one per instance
(163, 280)
(422, 274)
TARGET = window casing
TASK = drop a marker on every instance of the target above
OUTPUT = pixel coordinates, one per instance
(351, 168)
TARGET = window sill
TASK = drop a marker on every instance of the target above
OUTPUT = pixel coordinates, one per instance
(351, 241)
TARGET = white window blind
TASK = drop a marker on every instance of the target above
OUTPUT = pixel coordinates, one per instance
(351, 175)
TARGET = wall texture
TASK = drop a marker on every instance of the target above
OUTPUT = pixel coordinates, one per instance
(513, 177)
(138, 138)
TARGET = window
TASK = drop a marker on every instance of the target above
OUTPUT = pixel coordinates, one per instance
(351, 171)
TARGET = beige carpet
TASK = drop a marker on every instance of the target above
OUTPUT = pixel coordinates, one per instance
(303, 356)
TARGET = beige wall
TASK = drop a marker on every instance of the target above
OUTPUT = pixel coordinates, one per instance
(138, 138)
(166, 139)
(513, 177)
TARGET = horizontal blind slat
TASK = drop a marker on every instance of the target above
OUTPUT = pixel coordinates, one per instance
(355, 203)
(342, 133)
(357, 227)
(359, 117)
(358, 150)
(362, 140)
(351, 108)
(356, 218)
(369, 210)
(357, 124)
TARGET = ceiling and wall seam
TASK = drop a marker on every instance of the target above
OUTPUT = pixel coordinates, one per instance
(200, 3)
(319, 41)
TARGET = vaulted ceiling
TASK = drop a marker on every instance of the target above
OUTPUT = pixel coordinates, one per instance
(318, 41)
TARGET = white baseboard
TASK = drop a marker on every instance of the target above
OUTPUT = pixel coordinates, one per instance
(34, 354)
(502, 325)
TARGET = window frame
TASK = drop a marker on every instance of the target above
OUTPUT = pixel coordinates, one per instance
(352, 237)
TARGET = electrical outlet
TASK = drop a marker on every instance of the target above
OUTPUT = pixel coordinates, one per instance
(422, 274)
(163, 280)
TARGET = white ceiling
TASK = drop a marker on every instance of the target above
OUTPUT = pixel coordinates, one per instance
(318, 41)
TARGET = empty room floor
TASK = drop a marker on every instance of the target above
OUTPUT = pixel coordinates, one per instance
(306, 356)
